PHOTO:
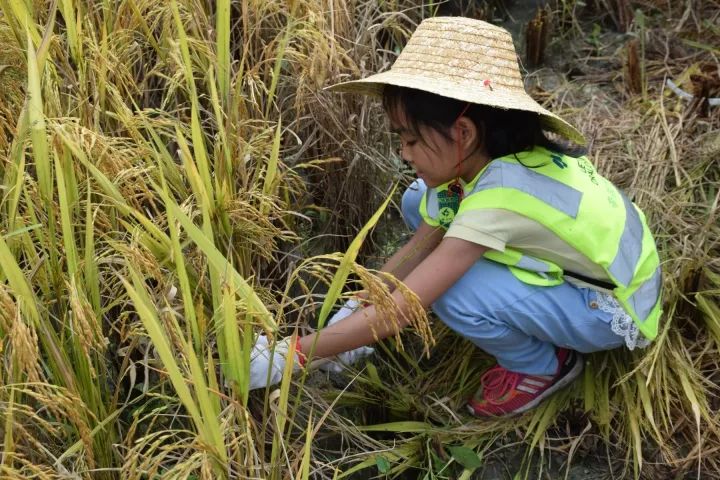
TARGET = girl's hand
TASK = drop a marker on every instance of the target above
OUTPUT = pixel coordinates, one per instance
(345, 358)
(267, 362)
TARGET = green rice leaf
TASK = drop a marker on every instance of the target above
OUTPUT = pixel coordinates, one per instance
(201, 156)
(281, 413)
(646, 402)
(146, 312)
(280, 58)
(346, 263)
(222, 47)
(179, 260)
(75, 41)
(542, 418)
(18, 170)
(77, 446)
(398, 427)
(307, 451)
(711, 310)
(90, 266)
(356, 468)
(200, 406)
(223, 169)
(23, 15)
(234, 361)
(466, 457)
(17, 281)
(272, 166)
(68, 230)
(38, 131)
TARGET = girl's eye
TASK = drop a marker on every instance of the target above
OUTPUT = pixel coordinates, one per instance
(398, 144)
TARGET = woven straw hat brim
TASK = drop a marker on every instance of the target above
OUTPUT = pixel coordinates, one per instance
(483, 95)
(465, 59)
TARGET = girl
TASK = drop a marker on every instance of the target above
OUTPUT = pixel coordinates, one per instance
(519, 245)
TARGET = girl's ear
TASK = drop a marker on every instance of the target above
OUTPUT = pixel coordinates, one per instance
(468, 133)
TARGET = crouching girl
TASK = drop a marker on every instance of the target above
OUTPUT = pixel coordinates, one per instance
(520, 245)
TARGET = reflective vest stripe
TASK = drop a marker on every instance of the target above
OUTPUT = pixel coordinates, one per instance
(630, 248)
(501, 174)
(643, 300)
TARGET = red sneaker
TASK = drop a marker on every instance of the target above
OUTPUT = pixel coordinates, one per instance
(503, 392)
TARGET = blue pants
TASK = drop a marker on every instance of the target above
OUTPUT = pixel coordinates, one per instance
(519, 324)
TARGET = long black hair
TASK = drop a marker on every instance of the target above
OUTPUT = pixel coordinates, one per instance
(504, 131)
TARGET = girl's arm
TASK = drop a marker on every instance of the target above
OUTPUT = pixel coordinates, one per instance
(428, 280)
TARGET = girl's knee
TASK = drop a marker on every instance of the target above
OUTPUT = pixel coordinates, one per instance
(410, 204)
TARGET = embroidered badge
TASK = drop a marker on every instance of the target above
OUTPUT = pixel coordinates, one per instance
(448, 204)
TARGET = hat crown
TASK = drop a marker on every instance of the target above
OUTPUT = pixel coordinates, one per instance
(465, 59)
(463, 50)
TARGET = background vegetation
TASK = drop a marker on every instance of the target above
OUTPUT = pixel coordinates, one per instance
(169, 168)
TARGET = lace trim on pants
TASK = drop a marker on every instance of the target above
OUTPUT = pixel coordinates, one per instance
(622, 324)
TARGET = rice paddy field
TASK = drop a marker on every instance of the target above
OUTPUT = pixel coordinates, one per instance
(175, 181)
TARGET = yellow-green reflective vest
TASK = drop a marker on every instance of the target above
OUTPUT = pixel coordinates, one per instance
(567, 196)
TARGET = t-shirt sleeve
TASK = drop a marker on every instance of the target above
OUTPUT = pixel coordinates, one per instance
(490, 227)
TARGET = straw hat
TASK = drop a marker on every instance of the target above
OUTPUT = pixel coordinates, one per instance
(465, 59)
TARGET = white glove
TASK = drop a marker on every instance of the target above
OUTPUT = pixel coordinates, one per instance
(345, 358)
(260, 357)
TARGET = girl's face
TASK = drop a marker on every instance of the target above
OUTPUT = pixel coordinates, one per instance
(431, 154)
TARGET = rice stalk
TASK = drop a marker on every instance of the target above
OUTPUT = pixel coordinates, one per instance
(73, 34)
(217, 260)
(222, 28)
(21, 20)
(198, 403)
(106, 175)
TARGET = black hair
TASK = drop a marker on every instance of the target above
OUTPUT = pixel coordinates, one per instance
(503, 131)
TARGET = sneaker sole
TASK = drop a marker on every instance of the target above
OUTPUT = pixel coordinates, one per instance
(574, 372)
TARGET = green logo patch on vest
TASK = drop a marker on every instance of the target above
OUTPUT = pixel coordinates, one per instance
(448, 204)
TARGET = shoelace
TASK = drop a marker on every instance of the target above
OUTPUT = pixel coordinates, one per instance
(497, 382)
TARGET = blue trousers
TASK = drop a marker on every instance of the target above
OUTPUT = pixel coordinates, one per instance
(519, 324)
